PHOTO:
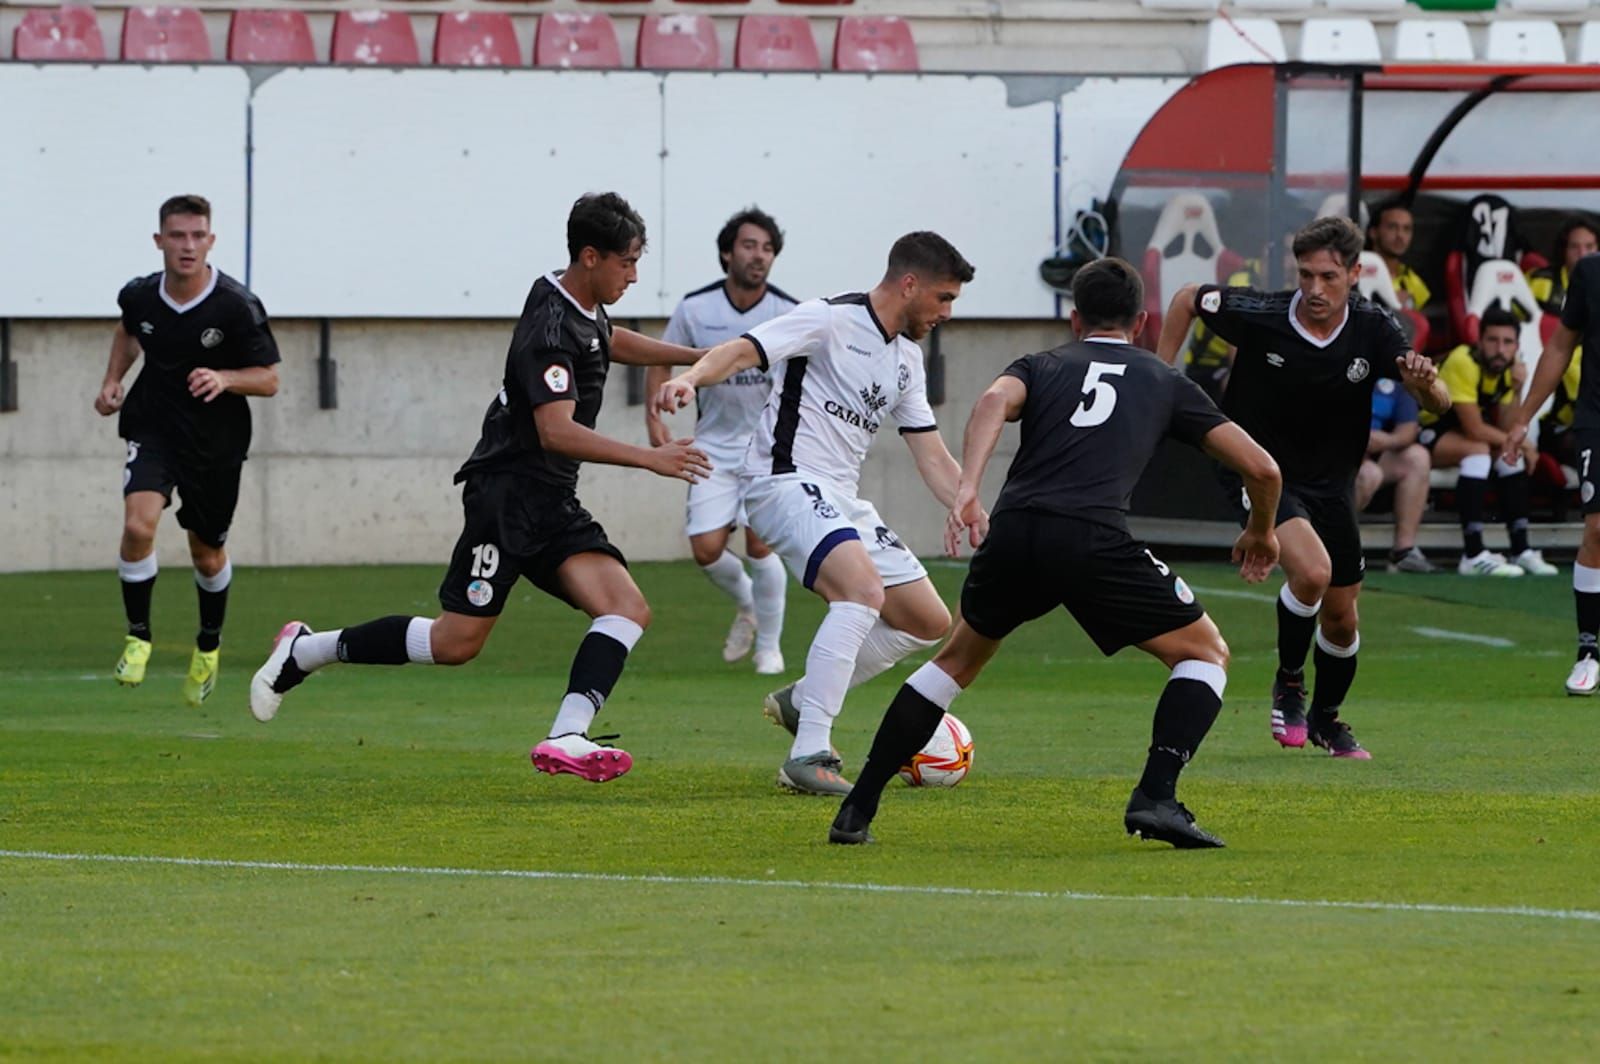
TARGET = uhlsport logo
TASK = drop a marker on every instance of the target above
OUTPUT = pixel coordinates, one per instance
(480, 593)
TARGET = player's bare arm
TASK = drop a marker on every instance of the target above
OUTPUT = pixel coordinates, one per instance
(561, 434)
(1000, 403)
(636, 349)
(1256, 549)
(935, 464)
(655, 429)
(1553, 363)
(124, 353)
(1176, 325)
(714, 367)
(1420, 377)
(207, 384)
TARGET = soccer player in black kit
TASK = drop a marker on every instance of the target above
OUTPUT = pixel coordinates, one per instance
(522, 517)
(206, 345)
(1302, 386)
(1092, 413)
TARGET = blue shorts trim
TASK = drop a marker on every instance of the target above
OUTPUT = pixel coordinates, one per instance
(825, 548)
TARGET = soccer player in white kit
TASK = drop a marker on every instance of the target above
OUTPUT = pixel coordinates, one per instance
(839, 366)
(727, 416)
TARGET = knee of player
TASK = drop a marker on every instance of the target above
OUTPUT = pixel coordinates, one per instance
(137, 530)
(636, 610)
(209, 563)
(703, 553)
(1311, 583)
(1339, 628)
(931, 624)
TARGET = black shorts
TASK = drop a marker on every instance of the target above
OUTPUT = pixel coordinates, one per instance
(208, 495)
(1116, 590)
(1331, 515)
(515, 527)
(1587, 444)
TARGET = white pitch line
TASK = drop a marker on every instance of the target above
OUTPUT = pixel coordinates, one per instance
(1464, 637)
(1229, 592)
(1587, 915)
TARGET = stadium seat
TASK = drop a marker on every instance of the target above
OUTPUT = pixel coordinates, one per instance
(577, 41)
(1273, 5)
(1185, 248)
(1525, 41)
(1489, 232)
(678, 42)
(1428, 40)
(374, 38)
(476, 39)
(165, 35)
(1589, 43)
(1339, 40)
(259, 36)
(1548, 7)
(1181, 5)
(1365, 5)
(1243, 40)
(874, 42)
(1377, 284)
(67, 32)
(775, 42)
(1333, 205)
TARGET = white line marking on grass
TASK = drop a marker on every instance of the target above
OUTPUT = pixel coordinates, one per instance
(1587, 915)
(1464, 637)
(1229, 592)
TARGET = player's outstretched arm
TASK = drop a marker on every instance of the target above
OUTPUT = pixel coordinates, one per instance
(654, 428)
(207, 384)
(1553, 363)
(636, 349)
(1256, 549)
(559, 433)
(124, 353)
(1001, 402)
(715, 366)
(1177, 323)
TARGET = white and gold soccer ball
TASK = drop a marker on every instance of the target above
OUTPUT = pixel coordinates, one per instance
(945, 761)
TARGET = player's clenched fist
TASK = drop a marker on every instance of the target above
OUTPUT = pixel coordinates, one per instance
(1417, 370)
(680, 459)
(109, 401)
(673, 396)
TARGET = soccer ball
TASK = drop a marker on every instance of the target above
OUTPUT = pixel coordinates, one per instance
(945, 761)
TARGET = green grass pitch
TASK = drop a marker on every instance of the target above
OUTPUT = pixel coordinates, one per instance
(694, 912)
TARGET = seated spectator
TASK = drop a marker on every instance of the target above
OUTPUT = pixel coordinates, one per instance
(1555, 428)
(1484, 380)
(1209, 357)
(1577, 237)
(1395, 457)
(1390, 236)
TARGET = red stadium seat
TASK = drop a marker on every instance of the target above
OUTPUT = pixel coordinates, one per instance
(874, 42)
(775, 42)
(476, 38)
(67, 32)
(259, 36)
(165, 35)
(374, 38)
(577, 41)
(678, 42)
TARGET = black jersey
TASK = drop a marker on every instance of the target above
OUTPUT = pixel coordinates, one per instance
(559, 352)
(1581, 314)
(225, 327)
(1093, 417)
(1307, 401)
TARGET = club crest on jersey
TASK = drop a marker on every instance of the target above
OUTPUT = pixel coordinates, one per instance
(556, 379)
(875, 399)
(1211, 302)
(480, 593)
(211, 338)
(1358, 370)
(904, 378)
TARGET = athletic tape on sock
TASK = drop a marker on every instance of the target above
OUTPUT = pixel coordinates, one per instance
(419, 640)
(1585, 579)
(934, 684)
(1295, 606)
(1212, 675)
(217, 581)
(138, 572)
(1476, 467)
(619, 628)
(1338, 652)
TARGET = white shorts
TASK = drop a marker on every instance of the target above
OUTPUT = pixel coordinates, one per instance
(714, 502)
(803, 520)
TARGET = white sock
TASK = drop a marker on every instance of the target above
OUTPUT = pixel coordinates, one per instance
(419, 640)
(829, 664)
(883, 647)
(770, 581)
(137, 572)
(934, 684)
(312, 652)
(216, 583)
(575, 715)
(727, 572)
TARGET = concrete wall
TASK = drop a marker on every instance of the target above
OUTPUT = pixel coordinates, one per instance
(370, 481)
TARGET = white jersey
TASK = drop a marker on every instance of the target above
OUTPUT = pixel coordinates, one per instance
(836, 373)
(728, 411)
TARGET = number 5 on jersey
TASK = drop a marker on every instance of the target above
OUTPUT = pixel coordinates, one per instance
(1099, 396)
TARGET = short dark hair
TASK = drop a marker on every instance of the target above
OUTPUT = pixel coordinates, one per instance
(188, 203)
(1394, 203)
(751, 215)
(928, 255)
(1338, 235)
(1108, 293)
(1494, 315)
(1569, 225)
(605, 222)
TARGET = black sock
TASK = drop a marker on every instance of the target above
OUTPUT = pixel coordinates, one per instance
(1514, 507)
(213, 609)
(1334, 677)
(1469, 504)
(1294, 639)
(1184, 714)
(596, 667)
(379, 642)
(1588, 604)
(908, 724)
(136, 604)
